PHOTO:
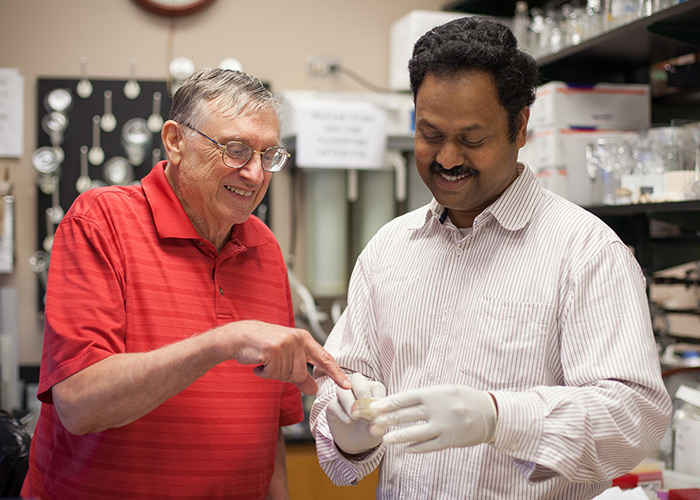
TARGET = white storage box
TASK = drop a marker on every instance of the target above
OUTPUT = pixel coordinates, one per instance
(600, 106)
(405, 32)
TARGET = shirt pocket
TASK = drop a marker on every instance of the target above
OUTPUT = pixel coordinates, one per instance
(507, 344)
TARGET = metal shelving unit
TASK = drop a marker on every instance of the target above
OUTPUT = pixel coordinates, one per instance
(634, 225)
(615, 55)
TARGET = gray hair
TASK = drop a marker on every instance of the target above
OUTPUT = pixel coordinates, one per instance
(230, 92)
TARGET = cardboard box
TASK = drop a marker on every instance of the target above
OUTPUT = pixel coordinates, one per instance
(602, 106)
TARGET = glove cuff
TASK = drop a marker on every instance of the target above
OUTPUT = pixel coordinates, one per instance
(357, 457)
(491, 422)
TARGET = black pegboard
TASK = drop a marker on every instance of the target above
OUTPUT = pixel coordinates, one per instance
(79, 133)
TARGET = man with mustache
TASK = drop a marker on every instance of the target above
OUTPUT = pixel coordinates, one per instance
(508, 327)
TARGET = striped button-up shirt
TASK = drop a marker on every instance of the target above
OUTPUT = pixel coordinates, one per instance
(542, 305)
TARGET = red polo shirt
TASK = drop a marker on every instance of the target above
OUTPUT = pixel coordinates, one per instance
(129, 273)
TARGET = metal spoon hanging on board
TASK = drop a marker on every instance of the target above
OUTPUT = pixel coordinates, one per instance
(108, 122)
(50, 230)
(39, 263)
(132, 89)
(84, 182)
(54, 214)
(155, 156)
(84, 87)
(96, 155)
(48, 183)
(54, 124)
(155, 121)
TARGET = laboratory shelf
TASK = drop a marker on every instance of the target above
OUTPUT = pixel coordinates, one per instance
(502, 8)
(636, 226)
(642, 43)
(616, 54)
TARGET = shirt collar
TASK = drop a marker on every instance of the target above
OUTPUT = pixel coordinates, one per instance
(513, 209)
(170, 217)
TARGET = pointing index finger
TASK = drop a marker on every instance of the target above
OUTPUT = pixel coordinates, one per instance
(322, 360)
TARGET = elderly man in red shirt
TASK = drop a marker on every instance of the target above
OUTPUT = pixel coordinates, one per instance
(170, 356)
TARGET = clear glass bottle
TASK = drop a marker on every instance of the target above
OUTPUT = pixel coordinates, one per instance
(521, 20)
(594, 18)
(536, 32)
(573, 20)
(552, 33)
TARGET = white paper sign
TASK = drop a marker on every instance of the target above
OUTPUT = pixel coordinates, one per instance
(11, 116)
(340, 134)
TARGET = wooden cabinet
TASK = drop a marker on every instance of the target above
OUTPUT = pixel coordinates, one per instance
(307, 481)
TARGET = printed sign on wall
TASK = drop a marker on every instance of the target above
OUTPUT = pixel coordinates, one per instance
(340, 134)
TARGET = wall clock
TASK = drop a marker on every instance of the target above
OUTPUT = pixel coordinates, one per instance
(173, 8)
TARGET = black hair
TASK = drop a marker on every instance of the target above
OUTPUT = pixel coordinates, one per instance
(478, 43)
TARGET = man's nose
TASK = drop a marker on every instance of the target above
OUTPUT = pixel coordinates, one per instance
(252, 171)
(450, 156)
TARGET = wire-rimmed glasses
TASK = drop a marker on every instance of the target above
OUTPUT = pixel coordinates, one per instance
(235, 154)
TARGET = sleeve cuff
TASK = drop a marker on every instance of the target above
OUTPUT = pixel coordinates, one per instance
(520, 424)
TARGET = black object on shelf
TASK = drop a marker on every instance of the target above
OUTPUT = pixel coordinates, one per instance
(686, 76)
(672, 280)
(498, 8)
(14, 455)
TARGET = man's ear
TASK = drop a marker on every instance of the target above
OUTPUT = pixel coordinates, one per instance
(173, 139)
(521, 135)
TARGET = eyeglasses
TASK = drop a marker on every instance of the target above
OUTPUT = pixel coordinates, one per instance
(235, 154)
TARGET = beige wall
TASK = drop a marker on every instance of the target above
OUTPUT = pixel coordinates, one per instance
(46, 38)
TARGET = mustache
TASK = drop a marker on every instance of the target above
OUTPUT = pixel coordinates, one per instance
(436, 168)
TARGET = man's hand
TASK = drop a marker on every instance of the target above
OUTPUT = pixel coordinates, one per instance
(454, 415)
(282, 353)
(123, 387)
(351, 435)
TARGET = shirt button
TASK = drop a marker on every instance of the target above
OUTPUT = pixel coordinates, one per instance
(221, 291)
(458, 251)
(431, 376)
(514, 446)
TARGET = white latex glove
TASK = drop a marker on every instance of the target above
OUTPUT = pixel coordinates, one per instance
(354, 436)
(454, 415)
